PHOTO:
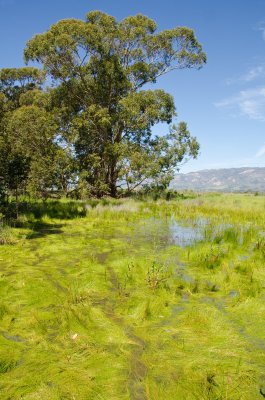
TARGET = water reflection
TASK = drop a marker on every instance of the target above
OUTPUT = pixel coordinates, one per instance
(182, 235)
(167, 232)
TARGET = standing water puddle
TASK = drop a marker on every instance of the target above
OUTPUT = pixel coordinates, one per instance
(168, 232)
(183, 236)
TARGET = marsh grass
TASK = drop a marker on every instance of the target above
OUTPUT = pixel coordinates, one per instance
(7, 236)
(98, 301)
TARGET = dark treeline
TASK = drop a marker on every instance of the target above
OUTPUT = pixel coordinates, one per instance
(80, 124)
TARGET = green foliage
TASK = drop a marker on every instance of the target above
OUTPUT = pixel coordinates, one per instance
(14, 82)
(54, 209)
(100, 66)
(32, 157)
(157, 275)
(89, 133)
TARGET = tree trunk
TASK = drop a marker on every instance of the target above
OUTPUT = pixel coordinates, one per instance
(113, 189)
(16, 194)
(113, 176)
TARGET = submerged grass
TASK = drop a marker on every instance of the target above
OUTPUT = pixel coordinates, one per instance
(106, 300)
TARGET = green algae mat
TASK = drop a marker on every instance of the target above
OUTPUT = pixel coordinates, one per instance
(137, 300)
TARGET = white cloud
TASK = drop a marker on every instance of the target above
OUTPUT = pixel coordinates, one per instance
(260, 26)
(251, 75)
(262, 29)
(260, 152)
(249, 102)
(254, 73)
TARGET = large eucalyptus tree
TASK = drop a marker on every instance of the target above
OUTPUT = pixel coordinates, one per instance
(99, 68)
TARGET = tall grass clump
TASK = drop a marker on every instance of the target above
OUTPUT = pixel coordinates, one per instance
(6, 235)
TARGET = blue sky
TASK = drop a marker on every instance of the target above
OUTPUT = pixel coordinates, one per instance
(223, 103)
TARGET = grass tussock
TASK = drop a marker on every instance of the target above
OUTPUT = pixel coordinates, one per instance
(7, 236)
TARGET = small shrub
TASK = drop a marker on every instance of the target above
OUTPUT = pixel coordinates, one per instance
(156, 275)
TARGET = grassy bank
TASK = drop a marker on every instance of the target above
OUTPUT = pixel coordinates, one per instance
(134, 300)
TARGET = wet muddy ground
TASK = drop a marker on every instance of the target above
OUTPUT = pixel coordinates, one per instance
(134, 306)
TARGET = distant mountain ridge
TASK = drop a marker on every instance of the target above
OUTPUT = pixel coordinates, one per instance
(222, 180)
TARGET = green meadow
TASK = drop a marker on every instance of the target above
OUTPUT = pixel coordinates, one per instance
(129, 299)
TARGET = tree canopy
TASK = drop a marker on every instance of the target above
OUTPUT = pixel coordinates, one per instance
(88, 129)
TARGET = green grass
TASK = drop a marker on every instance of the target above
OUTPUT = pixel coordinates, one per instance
(102, 301)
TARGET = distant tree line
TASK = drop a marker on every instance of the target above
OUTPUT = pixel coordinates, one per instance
(81, 124)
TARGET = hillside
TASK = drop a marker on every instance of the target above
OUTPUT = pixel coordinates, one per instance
(222, 180)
